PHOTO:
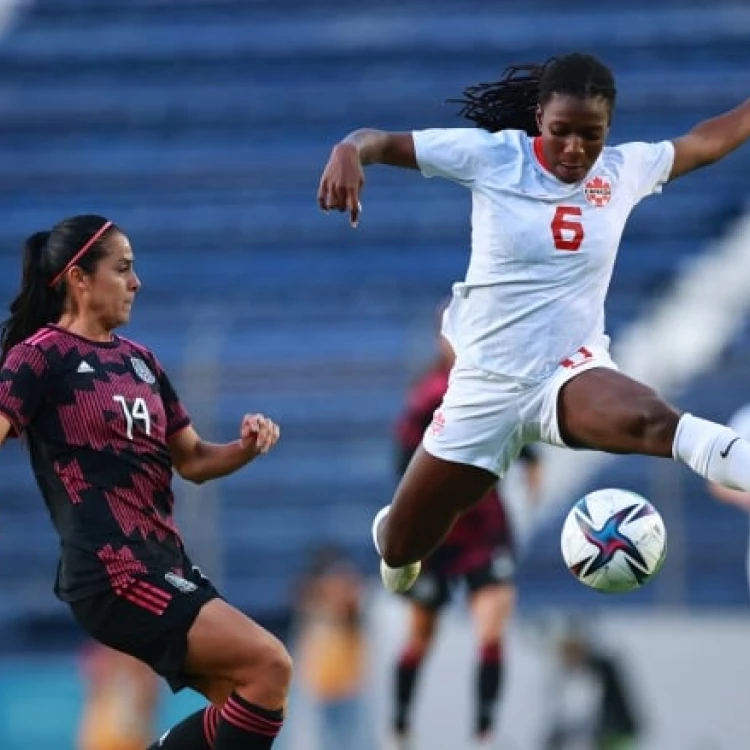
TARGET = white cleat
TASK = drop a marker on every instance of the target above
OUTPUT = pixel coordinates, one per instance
(400, 579)
(396, 580)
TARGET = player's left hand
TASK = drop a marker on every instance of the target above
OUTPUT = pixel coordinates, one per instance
(258, 433)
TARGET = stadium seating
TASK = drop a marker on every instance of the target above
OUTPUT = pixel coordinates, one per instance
(201, 128)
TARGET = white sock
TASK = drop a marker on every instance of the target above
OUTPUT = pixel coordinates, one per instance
(381, 514)
(713, 451)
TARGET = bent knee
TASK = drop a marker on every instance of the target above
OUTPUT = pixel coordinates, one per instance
(276, 662)
(267, 662)
(653, 423)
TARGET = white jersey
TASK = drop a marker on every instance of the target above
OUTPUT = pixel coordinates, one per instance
(542, 251)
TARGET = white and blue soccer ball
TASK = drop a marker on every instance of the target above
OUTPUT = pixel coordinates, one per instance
(613, 540)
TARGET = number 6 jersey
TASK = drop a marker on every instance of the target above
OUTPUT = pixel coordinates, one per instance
(542, 251)
(96, 417)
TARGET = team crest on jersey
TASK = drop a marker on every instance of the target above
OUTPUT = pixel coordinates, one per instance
(598, 192)
(180, 583)
(142, 370)
(438, 423)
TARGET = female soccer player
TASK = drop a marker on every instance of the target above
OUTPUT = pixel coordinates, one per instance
(550, 202)
(739, 421)
(104, 428)
(478, 551)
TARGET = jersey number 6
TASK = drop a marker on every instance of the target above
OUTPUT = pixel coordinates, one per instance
(567, 233)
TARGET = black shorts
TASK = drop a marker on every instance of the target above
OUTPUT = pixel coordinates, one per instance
(433, 590)
(149, 620)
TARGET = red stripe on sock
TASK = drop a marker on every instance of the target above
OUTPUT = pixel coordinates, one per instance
(491, 652)
(410, 658)
(210, 722)
(250, 710)
(248, 721)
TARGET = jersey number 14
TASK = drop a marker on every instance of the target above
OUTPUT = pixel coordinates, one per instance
(135, 413)
(566, 231)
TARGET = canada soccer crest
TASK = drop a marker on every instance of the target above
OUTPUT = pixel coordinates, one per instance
(598, 192)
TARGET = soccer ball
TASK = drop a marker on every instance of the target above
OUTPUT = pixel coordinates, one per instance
(613, 540)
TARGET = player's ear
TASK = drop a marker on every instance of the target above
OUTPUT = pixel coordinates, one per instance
(539, 117)
(77, 278)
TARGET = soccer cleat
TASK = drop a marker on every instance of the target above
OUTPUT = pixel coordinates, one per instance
(400, 579)
(396, 580)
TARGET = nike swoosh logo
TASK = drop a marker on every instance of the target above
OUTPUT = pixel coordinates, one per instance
(726, 450)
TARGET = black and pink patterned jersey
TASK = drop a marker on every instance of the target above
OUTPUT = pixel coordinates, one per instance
(96, 418)
(482, 531)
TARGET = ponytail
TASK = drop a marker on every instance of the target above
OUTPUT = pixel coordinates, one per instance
(511, 102)
(37, 303)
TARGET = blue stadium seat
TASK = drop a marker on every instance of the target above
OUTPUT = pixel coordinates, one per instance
(201, 128)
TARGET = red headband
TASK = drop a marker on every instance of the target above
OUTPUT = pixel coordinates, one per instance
(81, 253)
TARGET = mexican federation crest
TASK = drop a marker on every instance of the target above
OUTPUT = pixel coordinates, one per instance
(142, 370)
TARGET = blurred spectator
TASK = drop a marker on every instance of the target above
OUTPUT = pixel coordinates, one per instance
(592, 705)
(331, 648)
(121, 701)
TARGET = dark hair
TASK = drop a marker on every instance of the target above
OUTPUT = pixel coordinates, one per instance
(511, 102)
(46, 257)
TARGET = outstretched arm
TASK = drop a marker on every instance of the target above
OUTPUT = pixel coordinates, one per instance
(198, 461)
(343, 177)
(737, 498)
(711, 140)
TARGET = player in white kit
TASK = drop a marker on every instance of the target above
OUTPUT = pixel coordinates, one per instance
(739, 421)
(550, 202)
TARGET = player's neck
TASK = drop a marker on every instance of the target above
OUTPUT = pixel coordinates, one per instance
(86, 329)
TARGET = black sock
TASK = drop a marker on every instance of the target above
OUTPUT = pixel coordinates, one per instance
(406, 679)
(244, 726)
(197, 732)
(489, 682)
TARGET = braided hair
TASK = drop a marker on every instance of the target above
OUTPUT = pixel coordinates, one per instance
(511, 102)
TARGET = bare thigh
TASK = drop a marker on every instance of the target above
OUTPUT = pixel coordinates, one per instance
(491, 608)
(605, 410)
(423, 624)
(229, 651)
(431, 496)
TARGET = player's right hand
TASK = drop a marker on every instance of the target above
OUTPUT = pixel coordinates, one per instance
(342, 182)
(258, 434)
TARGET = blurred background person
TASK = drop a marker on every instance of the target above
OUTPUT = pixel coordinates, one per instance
(590, 700)
(121, 700)
(478, 552)
(331, 648)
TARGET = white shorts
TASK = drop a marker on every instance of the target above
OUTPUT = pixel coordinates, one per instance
(485, 419)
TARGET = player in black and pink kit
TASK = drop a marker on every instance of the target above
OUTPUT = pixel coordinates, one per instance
(477, 551)
(104, 429)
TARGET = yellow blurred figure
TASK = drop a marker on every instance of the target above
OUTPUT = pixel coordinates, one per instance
(331, 648)
(121, 701)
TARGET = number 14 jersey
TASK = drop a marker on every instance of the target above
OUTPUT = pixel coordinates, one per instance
(542, 251)
(96, 417)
